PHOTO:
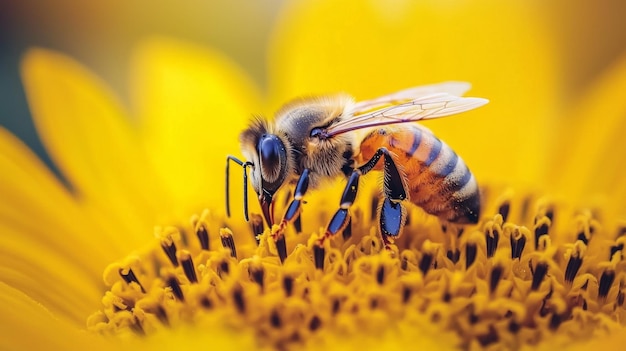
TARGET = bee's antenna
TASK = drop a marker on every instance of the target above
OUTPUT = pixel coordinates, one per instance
(245, 184)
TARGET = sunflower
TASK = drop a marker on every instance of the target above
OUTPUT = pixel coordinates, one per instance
(134, 250)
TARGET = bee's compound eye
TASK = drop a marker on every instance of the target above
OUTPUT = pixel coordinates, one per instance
(269, 151)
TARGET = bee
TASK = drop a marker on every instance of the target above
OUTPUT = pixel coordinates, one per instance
(319, 138)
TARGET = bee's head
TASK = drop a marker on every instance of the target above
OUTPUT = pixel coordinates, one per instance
(268, 155)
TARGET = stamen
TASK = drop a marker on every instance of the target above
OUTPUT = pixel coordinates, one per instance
(541, 229)
(172, 282)
(203, 236)
(492, 236)
(518, 241)
(574, 263)
(188, 266)
(228, 242)
(238, 299)
(606, 280)
(504, 209)
(315, 323)
(281, 247)
(130, 277)
(288, 285)
(539, 273)
(258, 226)
(380, 275)
(275, 320)
(347, 232)
(470, 254)
(496, 274)
(318, 255)
(453, 256)
(257, 273)
(425, 262)
(297, 224)
(169, 247)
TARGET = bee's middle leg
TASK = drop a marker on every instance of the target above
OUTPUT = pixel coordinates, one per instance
(292, 214)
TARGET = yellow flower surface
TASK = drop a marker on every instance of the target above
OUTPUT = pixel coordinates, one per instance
(137, 253)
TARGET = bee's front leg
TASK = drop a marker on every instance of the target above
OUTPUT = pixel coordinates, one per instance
(292, 214)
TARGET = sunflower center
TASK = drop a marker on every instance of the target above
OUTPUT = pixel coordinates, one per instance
(529, 272)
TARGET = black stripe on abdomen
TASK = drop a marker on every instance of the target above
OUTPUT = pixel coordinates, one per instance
(417, 138)
(434, 151)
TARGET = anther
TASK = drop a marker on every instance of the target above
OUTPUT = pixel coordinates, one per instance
(555, 321)
(616, 248)
(318, 254)
(315, 323)
(238, 299)
(347, 231)
(130, 277)
(173, 283)
(504, 209)
(169, 247)
(188, 266)
(425, 263)
(489, 338)
(275, 320)
(540, 231)
(406, 294)
(606, 280)
(288, 285)
(203, 236)
(281, 247)
(258, 226)
(492, 236)
(454, 255)
(518, 241)
(470, 254)
(583, 237)
(573, 265)
(257, 273)
(550, 214)
(539, 273)
(380, 275)
(496, 274)
(228, 242)
(223, 268)
(297, 224)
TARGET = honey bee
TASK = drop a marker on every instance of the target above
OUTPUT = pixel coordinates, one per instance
(315, 139)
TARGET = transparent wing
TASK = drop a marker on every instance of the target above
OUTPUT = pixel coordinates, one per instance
(424, 107)
(452, 88)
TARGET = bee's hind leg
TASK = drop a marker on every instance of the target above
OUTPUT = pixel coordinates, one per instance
(292, 214)
(392, 214)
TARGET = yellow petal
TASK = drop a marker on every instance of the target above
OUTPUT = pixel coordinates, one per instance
(27, 325)
(87, 135)
(370, 48)
(192, 102)
(45, 238)
(590, 147)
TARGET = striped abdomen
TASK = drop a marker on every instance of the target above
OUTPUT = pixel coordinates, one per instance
(437, 178)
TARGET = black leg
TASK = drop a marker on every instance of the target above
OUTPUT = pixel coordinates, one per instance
(292, 214)
(244, 165)
(392, 213)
